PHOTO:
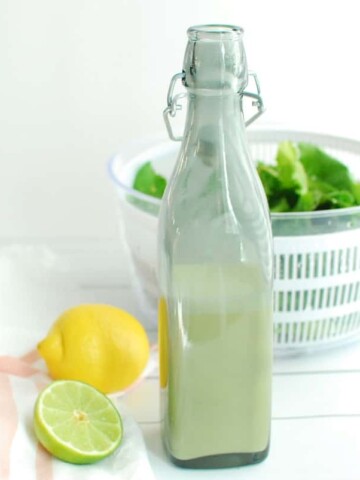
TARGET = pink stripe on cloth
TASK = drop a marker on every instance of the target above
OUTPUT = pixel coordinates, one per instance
(19, 367)
(43, 461)
(8, 422)
(30, 357)
(43, 464)
(16, 366)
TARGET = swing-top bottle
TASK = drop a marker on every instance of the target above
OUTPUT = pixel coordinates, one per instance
(215, 270)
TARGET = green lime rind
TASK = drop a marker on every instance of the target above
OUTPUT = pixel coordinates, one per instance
(76, 423)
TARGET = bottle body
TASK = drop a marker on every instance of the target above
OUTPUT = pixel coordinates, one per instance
(215, 278)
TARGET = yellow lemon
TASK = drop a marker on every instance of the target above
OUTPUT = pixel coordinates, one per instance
(97, 344)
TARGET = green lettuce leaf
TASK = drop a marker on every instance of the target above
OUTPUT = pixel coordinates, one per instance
(149, 182)
(320, 166)
(356, 192)
(341, 199)
(280, 205)
(291, 172)
(309, 201)
(269, 177)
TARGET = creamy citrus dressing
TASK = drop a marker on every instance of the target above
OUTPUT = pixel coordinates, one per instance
(218, 349)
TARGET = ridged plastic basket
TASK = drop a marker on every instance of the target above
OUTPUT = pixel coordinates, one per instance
(317, 254)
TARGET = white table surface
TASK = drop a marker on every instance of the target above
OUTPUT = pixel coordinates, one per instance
(316, 398)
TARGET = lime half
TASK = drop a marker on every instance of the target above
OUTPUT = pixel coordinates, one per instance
(77, 423)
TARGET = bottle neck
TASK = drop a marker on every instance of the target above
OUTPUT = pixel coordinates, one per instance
(212, 117)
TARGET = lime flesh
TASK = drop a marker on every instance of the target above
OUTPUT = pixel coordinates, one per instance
(77, 423)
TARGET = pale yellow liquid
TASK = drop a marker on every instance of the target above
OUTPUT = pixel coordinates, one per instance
(219, 353)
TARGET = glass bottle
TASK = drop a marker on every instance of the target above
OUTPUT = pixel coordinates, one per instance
(215, 271)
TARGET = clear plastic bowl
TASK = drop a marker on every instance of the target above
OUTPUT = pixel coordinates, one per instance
(317, 254)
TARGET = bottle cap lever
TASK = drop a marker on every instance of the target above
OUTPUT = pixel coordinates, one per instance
(257, 100)
(173, 104)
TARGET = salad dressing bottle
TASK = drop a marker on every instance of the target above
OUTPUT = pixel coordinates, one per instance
(215, 269)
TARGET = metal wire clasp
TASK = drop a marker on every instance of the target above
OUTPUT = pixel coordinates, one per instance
(173, 104)
(257, 100)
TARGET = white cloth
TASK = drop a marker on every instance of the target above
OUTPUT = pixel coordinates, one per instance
(24, 299)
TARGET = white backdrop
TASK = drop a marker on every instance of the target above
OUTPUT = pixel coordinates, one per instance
(79, 77)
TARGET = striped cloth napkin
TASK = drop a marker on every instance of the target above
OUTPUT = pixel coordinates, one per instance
(35, 288)
(22, 457)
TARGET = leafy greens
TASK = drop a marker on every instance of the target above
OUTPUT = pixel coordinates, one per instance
(303, 178)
